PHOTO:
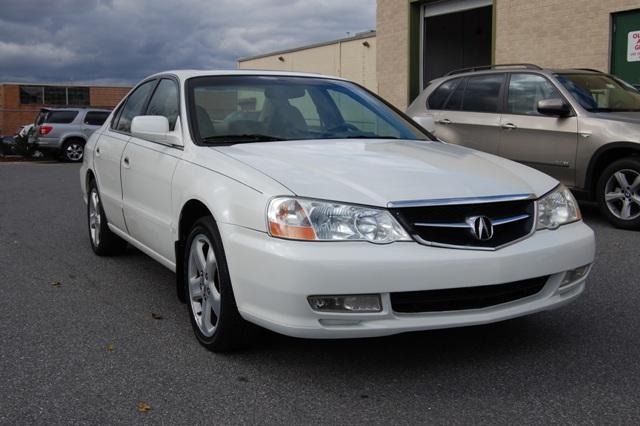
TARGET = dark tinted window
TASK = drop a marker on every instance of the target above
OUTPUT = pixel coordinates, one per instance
(440, 95)
(133, 106)
(455, 101)
(31, 95)
(96, 118)
(54, 95)
(165, 101)
(482, 92)
(61, 117)
(525, 90)
(78, 96)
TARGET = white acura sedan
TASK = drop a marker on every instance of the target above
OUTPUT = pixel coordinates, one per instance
(309, 206)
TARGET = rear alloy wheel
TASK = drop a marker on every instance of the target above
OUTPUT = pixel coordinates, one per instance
(73, 151)
(211, 303)
(619, 193)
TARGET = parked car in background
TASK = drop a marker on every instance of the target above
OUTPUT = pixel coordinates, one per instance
(580, 126)
(323, 212)
(64, 131)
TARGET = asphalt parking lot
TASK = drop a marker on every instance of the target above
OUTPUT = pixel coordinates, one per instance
(85, 339)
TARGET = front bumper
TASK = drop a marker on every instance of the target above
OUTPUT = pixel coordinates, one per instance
(272, 279)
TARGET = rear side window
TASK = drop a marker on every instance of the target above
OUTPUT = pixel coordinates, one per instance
(482, 93)
(441, 94)
(61, 117)
(165, 101)
(133, 106)
(96, 118)
(455, 100)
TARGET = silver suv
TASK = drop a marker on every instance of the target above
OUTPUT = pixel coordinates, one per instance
(64, 131)
(580, 126)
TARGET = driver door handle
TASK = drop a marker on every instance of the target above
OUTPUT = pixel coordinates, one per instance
(508, 126)
(98, 151)
(125, 163)
(444, 121)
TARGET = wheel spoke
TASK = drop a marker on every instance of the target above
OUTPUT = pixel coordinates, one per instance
(636, 199)
(194, 288)
(625, 213)
(201, 262)
(622, 180)
(206, 316)
(635, 186)
(612, 196)
(214, 300)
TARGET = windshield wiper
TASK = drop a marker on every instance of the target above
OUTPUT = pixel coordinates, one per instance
(365, 137)
(242, 138)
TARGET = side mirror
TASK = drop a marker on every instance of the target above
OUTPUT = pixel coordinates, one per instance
(555, 107)
(154, 128)
(426, 122)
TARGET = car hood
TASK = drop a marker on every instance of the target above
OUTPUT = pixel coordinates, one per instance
(627, 117)
(377, 172)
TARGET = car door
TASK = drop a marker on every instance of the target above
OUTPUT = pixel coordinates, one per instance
(108, 154)
(546, 143)
(470, 116)
(147, 173)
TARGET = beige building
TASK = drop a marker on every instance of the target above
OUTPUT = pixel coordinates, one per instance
(353, 58)
(419, 40)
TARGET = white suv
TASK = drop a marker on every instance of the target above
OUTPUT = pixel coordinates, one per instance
(309, 206)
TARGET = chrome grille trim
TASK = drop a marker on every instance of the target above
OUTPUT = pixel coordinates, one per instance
(452, 201)
(494, 222)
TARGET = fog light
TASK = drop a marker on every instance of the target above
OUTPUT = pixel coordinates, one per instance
(575, 274)
(348, 303)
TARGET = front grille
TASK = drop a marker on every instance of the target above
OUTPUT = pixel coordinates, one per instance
(447, 225)
(457, 299)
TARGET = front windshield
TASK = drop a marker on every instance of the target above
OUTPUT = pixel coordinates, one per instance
(246, 108)
(601, 93)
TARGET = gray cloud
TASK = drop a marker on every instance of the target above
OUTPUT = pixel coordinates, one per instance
(121, 41)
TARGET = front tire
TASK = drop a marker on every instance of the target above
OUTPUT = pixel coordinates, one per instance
(211, 303)
(618, 193)
(103, 241)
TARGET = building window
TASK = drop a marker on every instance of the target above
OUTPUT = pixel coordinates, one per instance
(54, 95)
(31, 95)
(78, 96)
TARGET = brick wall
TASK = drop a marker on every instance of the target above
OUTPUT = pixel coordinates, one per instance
(557, 33)
(13, 114)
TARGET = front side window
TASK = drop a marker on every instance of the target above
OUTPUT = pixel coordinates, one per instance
(600, 92)
(61, 117)
(133, 106)
(265, 108)
(165, 101)
(96, 118)
(525, 90)
(482, 93)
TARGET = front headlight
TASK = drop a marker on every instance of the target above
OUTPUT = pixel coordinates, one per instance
(558, 207)
(316, 220)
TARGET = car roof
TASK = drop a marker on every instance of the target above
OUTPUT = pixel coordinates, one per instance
(186, 74)
(72, 108)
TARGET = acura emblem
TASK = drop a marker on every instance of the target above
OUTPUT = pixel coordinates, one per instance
(481, 227)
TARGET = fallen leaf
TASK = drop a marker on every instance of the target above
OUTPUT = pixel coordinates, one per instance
(156, 316)
(143, 407)
(56, 284)
(109, 347)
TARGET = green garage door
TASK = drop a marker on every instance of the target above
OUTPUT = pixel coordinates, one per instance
(625, 52)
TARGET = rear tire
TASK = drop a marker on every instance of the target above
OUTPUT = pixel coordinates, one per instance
(73, 150)
(618, 193)
(211, 303)
(103, 241)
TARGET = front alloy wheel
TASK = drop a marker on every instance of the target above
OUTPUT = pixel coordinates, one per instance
(204, 285)
(103, 241)
(619, 193)
(211, 303)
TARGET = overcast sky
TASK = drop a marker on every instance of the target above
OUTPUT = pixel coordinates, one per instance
(121, 41)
